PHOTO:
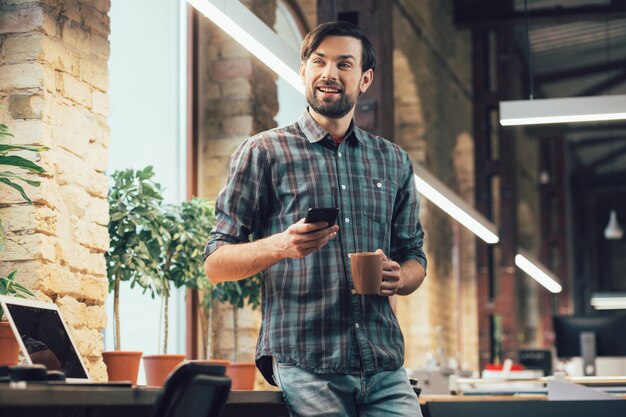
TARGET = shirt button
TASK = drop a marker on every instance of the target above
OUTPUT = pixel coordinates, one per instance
(357, 325)
(353, 291)
(343, 187)
(339, 154)
(347, 220)
(379, 185)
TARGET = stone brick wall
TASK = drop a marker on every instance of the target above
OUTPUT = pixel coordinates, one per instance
(53, 84)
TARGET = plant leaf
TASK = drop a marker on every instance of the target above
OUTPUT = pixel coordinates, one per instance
(22, 288)
(7, 148)
(3, 239)
(8, 174)
(18, 161)
(17, 187)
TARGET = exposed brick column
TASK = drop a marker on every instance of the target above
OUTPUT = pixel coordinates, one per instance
(53, 85)
(237, 98)
(432, 83)
(225, 101)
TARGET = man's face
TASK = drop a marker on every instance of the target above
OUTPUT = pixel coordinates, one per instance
(333, 78)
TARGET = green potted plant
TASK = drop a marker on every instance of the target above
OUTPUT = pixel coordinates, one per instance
(197, 220)
(198, 216)
(166, 273)
(239, 294)
(135, 240)
(185, 228)
(9, 348)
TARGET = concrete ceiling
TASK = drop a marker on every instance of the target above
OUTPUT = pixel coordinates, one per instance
(572, 48)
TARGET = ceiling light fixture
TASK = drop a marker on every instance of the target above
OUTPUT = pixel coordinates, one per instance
(608, 301)
(563, 110)
(239, 22)
(447, 200)
(558, 110)
(254, 35)
(613, 230)
(537, 271)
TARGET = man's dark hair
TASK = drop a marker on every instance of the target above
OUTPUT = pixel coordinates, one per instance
(313, 39)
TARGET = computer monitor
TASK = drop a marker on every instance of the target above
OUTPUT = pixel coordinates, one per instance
(43, 336)
(590, 336)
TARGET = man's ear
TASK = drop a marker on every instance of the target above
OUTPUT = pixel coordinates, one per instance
(302, 67)
(366, 80)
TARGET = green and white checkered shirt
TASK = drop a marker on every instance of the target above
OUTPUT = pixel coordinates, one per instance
(311, 317)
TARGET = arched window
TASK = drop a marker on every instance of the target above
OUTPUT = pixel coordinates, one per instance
(290, 26)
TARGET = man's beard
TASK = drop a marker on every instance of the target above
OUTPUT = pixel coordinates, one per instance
(333, 109)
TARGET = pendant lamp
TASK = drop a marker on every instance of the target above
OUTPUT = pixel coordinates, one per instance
(613, 230)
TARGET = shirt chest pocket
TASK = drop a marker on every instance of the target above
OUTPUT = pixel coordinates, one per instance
(378, 199)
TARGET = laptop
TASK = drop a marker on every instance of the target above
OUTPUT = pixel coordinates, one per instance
(43, 337)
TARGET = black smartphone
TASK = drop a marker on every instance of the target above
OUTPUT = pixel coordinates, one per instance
(323, 214)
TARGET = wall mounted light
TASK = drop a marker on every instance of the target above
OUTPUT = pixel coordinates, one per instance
(608, 301)
(447, 200)
(529, 264)
(562, 110)
(254, 35)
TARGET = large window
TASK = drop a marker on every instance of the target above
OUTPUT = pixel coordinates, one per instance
(147, 128)
(290, 102)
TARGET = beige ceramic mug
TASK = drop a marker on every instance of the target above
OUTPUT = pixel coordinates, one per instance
(367, 271)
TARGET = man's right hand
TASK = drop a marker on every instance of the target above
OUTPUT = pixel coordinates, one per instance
(235, 262)
(301, 239)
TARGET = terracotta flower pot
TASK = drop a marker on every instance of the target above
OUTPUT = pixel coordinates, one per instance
(223, 362)
(242, 375)
(158, 367)
(9, 349)
(122, 365)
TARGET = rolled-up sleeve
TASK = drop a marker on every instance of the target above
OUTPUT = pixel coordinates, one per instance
(240, 204)
(407, 236)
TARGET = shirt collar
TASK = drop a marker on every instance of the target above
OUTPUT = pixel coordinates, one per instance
(315, 133)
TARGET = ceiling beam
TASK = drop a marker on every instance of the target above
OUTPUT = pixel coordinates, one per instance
(613, 180)
(556, 129)
(580, 71)
(603, 86)
(486, 13)
(609, 156)
(594, 141)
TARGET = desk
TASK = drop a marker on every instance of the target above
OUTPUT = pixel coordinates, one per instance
(521, 406)
(75, 401)
(62, 401)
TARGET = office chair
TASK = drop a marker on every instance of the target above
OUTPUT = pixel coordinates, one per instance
(193, 390)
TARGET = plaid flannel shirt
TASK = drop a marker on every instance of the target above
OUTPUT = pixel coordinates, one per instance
(311, 315)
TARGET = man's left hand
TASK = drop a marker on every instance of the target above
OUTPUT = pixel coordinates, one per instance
(390, 284)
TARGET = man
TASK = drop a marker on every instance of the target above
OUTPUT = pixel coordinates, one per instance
(331, 351)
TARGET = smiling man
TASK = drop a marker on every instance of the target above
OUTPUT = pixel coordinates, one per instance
(331, 351)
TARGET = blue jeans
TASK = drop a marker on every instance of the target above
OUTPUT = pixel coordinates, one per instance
(309, 394)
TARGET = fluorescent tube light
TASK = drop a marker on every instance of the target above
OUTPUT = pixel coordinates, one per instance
(447, 200)
(235, 19)
(254, 35)
(562, 110)
(537, 271)
(608, 301)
